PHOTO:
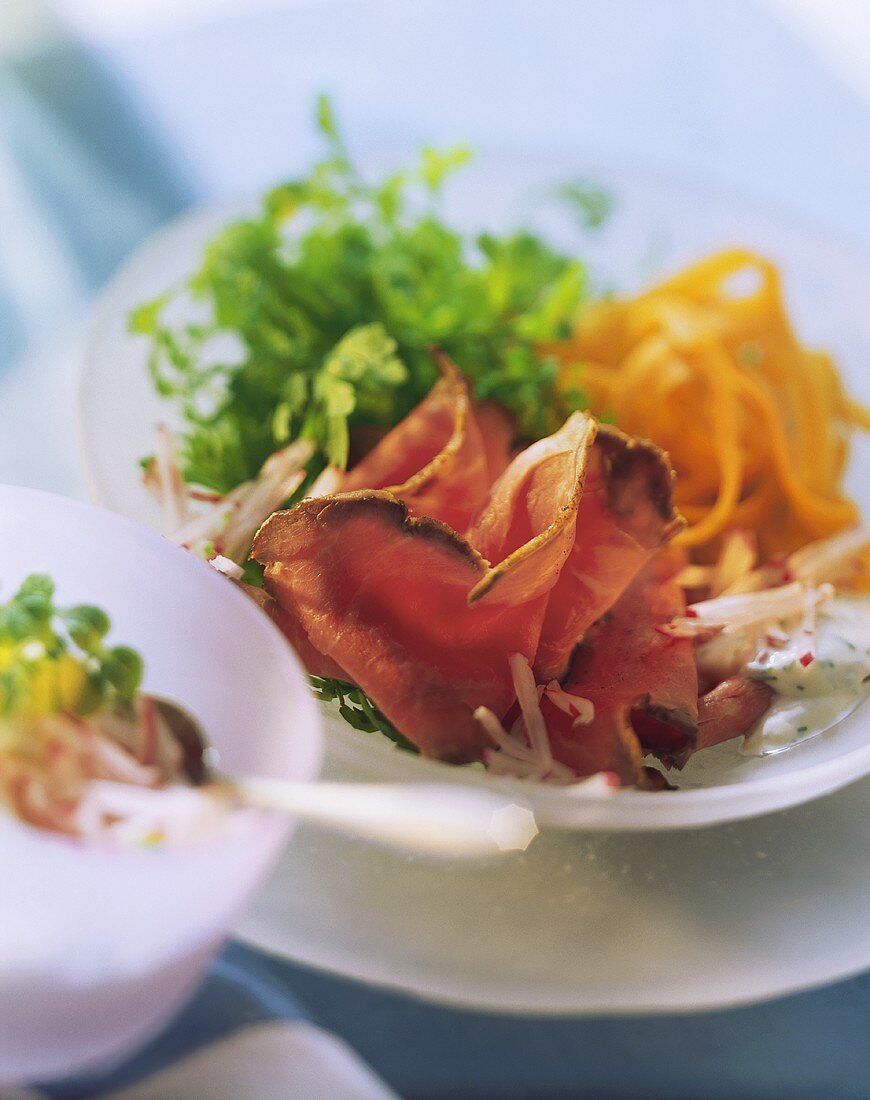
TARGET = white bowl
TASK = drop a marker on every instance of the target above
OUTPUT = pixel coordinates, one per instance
(98, 948)
(658, 224)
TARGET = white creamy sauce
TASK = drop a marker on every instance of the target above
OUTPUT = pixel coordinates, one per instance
(813, 697)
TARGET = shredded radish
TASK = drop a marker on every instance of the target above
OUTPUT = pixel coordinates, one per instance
(738, 612)
(736, 561)
(509, 743)
(228, 568)
(112, 762)
(49, 763)
(765, 576)
(225, 529)
(776, 638)
(515, 755)
(515, 758)
(696, 576)
(813, 598)
(530, 705)
(169, 480)
(831, 559)
(739, 628)
(327, 482)
(743, 622)
(207, 526)
(524, 752)
(827, 560)
(734, 572)
(280, 477)
(125, 815)
(690, 627)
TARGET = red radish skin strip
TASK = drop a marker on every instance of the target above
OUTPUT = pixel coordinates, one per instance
(580, 709)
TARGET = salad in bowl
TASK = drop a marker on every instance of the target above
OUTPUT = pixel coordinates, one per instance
(122, 873)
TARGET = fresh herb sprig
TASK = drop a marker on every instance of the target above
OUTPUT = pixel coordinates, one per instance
(331, 297)
(358, 710)
(54, 658)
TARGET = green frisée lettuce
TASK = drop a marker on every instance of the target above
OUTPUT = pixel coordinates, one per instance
(318, 313)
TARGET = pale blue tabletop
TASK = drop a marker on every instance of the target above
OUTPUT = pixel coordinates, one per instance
(100, 143)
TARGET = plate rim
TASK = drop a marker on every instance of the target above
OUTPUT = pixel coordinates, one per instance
(509, 1002)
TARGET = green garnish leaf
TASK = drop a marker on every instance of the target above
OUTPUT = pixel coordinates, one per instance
(254, 573)
(55, 659)
(326, 120)
(315, 316)
(146, 319)
(591, 205)
(359, 372)
(436, 165)
(358, 710)
(123, 668)
(87, 626)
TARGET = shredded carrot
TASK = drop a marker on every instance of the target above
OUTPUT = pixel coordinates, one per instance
(707, 365)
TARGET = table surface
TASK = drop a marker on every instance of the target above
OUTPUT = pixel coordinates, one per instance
(101, 142)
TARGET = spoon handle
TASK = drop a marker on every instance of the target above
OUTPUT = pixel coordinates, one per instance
(430, 819)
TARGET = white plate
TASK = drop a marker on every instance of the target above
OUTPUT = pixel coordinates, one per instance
(580, 923)
(657, 225)
(99, 947)
(589, 923)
